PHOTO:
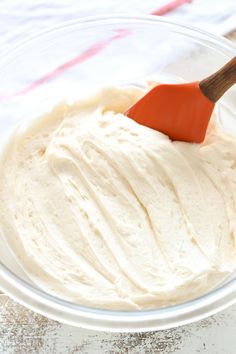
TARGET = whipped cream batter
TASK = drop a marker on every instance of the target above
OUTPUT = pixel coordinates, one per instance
(107, 213)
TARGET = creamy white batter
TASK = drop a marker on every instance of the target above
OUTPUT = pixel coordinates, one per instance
(107, 213)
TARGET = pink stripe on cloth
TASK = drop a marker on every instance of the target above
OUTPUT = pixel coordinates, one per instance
(91, 51)
(88, 53)
(170, 7)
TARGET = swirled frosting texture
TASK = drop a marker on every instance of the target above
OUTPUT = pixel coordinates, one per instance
(108, 213)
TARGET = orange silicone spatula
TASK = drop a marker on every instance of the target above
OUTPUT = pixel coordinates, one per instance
(183, 111)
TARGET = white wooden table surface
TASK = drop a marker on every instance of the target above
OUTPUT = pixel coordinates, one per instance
(25, 332)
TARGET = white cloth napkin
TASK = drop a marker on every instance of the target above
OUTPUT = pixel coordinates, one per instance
(20, 19)
(217, 16)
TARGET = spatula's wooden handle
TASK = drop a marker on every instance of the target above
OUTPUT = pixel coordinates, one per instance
(214, 86)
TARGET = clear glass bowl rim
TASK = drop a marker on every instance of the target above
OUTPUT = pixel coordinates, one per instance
(122, 321)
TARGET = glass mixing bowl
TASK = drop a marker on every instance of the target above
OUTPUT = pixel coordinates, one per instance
(80, 57)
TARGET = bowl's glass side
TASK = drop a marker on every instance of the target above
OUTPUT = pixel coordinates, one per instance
(73, 61)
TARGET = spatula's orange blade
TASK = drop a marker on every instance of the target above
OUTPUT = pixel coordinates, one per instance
(180, 111)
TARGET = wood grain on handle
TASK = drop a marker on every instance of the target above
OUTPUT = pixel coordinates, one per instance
(214, 86)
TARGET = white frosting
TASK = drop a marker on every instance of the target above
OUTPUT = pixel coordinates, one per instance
(107, 213)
